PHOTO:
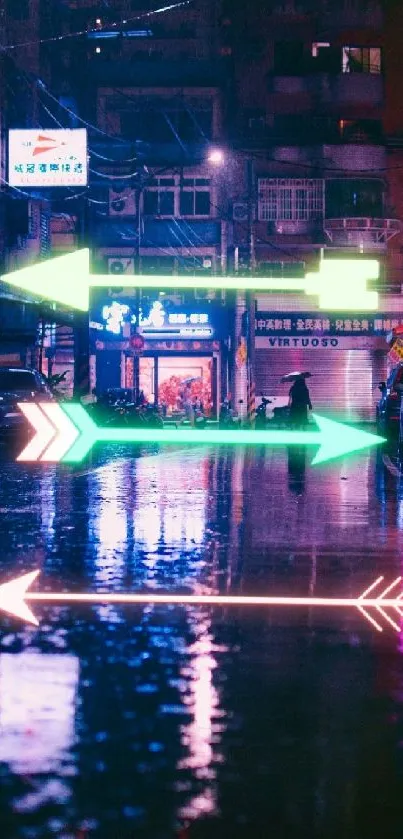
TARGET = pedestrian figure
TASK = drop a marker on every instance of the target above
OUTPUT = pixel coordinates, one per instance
(141, 399)
(198, 405)
(299, 402)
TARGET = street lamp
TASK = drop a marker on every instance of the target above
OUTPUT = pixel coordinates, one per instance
(216, 157)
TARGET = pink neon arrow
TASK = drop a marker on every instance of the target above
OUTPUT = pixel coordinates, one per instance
(12, 597)
(44, 431)
(14, 594)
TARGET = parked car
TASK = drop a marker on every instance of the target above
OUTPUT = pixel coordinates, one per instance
(388, 407)
(18, 384)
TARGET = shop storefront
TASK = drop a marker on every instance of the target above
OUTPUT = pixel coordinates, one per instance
(176, 370)
(347, 356)
(184, 354)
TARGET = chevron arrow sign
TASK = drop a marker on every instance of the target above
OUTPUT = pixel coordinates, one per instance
(14, 596)
(65, 432)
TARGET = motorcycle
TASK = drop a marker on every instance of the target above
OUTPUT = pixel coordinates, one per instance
(279, 419)
(229, 419)
(261, 420)
(117, 410)
(200, 420)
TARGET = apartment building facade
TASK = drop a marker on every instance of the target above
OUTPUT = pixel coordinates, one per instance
(314, 91)
(154, 89)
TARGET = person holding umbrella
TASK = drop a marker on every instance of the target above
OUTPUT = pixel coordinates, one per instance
(299, 399)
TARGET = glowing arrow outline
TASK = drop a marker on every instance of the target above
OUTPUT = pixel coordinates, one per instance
(340, 284)
(55, 433)
(14, 594)
(45, 430)
(334, 439)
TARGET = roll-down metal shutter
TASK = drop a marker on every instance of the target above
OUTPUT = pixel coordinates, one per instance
(344, 382)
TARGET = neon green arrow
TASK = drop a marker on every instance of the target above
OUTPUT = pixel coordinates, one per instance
(66, 433)
(340, 284)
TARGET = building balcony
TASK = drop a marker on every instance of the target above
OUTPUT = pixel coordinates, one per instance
(331, 89)
(150, 73)
(364, 233)
(290, 160)
(354, 157)
(157, 233)
(348, 13)
(294, 227)
(348, 89)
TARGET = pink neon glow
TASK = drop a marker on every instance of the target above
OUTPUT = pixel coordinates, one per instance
(14, 597)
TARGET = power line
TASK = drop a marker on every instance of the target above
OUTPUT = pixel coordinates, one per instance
(90, 125)
(116, 25)
(31, 79)
(257, 155)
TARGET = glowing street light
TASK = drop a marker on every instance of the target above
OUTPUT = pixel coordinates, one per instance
(216, 157)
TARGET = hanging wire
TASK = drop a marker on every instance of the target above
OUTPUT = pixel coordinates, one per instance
(79, 33)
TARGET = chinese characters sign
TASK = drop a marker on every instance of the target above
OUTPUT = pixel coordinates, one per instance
(52, 158)
(200, 317)
(119, 317)
(183, 324)
(302, 323)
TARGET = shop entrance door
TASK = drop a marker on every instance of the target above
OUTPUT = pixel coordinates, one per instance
(181, 377)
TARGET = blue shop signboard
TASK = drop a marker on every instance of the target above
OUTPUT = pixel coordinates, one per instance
(308, 323)
(115, 317)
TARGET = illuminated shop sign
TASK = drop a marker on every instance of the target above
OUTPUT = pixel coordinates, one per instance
(47, 158)
(117, 318)
(299, 324)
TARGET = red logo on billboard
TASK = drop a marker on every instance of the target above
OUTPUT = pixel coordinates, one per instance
(137, 343)
(46, 144)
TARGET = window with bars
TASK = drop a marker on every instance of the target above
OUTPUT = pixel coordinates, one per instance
(290, 199)
(177, 197)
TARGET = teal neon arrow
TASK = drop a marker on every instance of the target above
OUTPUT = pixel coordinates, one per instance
(65, 433)
(340, 284)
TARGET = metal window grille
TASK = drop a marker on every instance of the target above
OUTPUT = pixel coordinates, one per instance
(290, 199)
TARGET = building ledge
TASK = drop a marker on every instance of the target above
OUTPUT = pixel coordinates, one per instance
(377, 231)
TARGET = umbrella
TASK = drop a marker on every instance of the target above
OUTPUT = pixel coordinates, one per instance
(291, 377)
(192, 379)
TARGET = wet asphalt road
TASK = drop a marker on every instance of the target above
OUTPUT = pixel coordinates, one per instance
(135, 721)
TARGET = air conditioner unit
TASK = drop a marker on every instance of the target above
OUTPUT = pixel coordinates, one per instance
(120, 265)
(240, 211)
(122, 201)
(205, 294)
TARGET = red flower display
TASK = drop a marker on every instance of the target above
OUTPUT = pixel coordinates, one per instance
(171, 391)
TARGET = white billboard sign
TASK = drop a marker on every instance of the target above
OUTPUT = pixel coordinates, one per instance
(47, 158)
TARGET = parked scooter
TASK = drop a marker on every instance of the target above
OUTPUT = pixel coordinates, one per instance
(115, 408)
(200, 419)
(261, 420)
(229, 419)
(279, 416)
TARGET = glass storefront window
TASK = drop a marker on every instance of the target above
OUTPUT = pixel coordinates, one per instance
(182, 378)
